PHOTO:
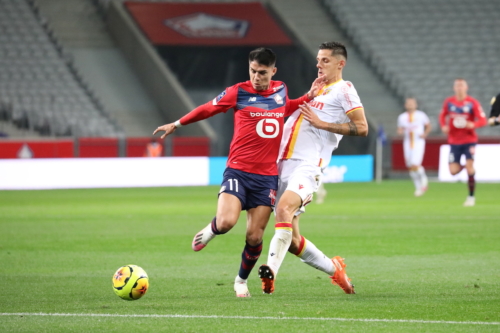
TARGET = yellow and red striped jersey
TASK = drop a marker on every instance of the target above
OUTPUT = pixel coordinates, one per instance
(303, 141)
(413, 125)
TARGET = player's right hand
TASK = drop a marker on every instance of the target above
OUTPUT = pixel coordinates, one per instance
(445, 129)
(168, 128)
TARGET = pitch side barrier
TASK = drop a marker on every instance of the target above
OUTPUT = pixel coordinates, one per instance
(433, 146)
(485, 163)
(64, 173)
(103, 147)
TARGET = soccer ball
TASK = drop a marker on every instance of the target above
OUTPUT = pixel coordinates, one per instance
(130, 282)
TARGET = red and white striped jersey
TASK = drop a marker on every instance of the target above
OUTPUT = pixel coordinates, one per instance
(258, 123)
(456, 113)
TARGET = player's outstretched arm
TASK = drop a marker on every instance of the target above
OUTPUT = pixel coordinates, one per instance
(167, 128)
(201, 112)
(358, 126)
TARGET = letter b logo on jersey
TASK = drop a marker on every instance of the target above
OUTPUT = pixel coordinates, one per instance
(268, 128)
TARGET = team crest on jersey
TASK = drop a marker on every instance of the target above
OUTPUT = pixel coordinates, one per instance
(466, 108)
(326, 92)
(218, 98)
(278, 99)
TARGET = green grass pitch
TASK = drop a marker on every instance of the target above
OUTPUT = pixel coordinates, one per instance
(419, 264)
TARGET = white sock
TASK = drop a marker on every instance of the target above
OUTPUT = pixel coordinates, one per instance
(416, 179)
(314, 257)
(279, 247)
(423, 176)
(239, 280)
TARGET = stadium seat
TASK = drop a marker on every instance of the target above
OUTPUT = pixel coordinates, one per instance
(420, 46)
(38, 81)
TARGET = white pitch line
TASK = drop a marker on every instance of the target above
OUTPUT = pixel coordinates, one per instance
(412, 321)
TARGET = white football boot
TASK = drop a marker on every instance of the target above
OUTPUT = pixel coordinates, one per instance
(470, 201)
(202, 238)
(241, 287)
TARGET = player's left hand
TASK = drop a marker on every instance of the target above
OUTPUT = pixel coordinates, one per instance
(168, 128)
(316, 86)
(470, 125)
(310, 115)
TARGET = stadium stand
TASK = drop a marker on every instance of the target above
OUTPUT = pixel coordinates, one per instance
(419, 47)
(40, 88)
(415, 48)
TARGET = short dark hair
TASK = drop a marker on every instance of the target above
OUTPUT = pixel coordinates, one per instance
(263, 56)
(336, 48)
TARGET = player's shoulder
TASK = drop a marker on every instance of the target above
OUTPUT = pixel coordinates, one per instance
(449, 99)
(422, 115)
(471, 99)
(277, 86)
(245, 84)
(346, 86)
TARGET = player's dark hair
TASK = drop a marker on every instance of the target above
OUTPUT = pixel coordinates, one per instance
(263, 56)
(336, 48)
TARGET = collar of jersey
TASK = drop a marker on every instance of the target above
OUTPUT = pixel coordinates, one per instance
(327, 86)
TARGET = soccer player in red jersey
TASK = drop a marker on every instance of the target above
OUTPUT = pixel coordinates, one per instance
(460, 116)
(251, 177)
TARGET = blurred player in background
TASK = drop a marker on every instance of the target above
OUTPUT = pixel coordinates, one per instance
(494, 119)
(415, 126)
(251, 178)
(310, 136)
(460, 116)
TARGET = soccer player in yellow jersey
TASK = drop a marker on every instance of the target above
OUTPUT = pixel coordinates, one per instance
(414, 125)
(309, 137)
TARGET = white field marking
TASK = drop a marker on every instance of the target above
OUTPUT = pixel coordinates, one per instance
(412, 321)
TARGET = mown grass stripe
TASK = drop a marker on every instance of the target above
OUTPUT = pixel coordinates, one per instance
(413, 321)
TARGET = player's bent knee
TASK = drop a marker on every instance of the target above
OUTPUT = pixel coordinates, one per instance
(254, 239)
(225, 224)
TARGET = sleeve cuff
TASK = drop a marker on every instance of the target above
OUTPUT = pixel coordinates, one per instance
(178, 124)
